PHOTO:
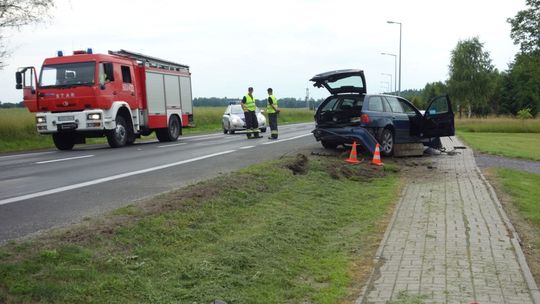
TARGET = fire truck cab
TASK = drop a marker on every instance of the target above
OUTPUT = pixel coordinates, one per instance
(121, 95)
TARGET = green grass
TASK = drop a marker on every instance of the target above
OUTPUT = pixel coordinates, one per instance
(523, 188)
(498, 125)
(504, 136)
(262, 235)
(517, 145)
(18, 131)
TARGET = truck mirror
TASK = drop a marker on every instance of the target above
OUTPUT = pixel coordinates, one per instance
(18, 78)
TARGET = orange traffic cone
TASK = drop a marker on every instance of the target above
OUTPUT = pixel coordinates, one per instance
(352, 157)
(377, 157)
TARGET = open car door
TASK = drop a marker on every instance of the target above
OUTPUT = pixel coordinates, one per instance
(438, 118)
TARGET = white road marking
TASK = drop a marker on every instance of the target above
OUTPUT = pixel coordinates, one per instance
(106, 179)
(26, 154)
(203, 136)
(173, 145)
(285, 139)
(214, 138)
(246, 147)
(62, 159)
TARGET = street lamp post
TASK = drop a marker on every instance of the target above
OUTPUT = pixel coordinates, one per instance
(389, 75)
(395, 69)
(394, 22)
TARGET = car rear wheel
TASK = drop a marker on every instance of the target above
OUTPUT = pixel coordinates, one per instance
(387, 142)
(328, 144)
(172, 132)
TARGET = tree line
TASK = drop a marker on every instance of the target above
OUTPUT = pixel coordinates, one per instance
(479, 89)
(9, 105)
(287, 102)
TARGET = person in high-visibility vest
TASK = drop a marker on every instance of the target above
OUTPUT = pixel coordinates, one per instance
(273, 111)
(249, 107)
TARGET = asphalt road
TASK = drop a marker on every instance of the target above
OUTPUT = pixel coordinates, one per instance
(55, 188)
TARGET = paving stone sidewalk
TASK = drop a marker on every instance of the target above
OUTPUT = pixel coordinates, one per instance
(449, 241)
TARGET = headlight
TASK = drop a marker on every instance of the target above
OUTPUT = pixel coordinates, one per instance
(94, 116)
(41, 120)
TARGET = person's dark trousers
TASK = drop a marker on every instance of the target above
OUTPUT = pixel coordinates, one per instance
(272, 117)
(247, 117)
(252, 126)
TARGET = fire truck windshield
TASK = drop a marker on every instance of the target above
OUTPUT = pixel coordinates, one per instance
(67, 75)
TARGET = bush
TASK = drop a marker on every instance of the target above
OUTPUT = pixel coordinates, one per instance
(524, 114)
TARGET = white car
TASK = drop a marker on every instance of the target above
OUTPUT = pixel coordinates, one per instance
(233, 119)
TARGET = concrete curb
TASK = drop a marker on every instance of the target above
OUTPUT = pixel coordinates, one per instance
(526, 271)
(378, 255)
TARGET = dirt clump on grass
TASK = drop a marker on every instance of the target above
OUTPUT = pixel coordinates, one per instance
(298, 165)
(359, 172)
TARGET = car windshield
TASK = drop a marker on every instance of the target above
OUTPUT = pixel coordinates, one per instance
(67, 74)
(354, 81)
(237, 109)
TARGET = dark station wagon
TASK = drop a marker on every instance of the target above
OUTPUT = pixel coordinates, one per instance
(350, 114)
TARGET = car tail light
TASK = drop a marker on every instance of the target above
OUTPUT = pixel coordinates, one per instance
(364, 118)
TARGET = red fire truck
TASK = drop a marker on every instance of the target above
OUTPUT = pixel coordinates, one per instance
(121, 95)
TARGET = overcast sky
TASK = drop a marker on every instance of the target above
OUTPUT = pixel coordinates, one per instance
(233, 44)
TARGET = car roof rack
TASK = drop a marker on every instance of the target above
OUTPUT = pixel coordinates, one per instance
(151, 61)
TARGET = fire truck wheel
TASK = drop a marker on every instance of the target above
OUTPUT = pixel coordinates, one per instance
(63, 141)
(118, 136)
(172, 132)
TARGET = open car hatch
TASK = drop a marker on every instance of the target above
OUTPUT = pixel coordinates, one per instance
(341, 81)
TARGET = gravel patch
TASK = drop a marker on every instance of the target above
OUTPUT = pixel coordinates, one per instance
(487, 161)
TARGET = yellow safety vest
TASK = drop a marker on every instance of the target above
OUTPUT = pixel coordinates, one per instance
(250, 103)
(269, 108)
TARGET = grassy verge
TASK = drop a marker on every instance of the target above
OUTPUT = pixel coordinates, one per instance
(275, 235)
(518, 145)
(498, 125)
(520, 193)
(502, 136)
(18, 131)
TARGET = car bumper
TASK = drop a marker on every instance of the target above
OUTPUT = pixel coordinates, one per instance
(73, 121)
(242, 126)
(347, 135)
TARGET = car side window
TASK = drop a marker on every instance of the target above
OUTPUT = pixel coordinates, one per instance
(395, 105)
(105, 72)
(330, 105)
(386, 105)
(439, 105)
(407, 108)
(375, 104)
(126, 74)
